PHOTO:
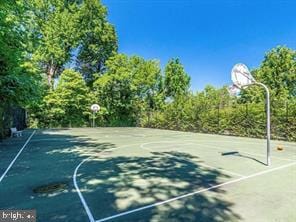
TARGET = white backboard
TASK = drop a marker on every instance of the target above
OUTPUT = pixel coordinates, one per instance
(95, 107)
(241, 76)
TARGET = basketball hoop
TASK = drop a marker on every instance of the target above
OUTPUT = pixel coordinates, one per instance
(242, 78)
(95, 108)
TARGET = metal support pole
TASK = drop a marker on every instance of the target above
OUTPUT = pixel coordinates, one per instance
(93, 125)
(267, 121)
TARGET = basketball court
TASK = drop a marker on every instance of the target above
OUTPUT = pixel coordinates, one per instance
(139, 174)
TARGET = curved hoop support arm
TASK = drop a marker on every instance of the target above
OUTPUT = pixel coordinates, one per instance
(246, 79)
(267, 101)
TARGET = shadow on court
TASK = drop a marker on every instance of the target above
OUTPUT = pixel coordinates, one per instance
(46, 165)
(119, 184)
(236, 153)
(124, 179)
(111, 183)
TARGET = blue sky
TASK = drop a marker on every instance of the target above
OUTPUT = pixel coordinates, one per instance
(208, 36)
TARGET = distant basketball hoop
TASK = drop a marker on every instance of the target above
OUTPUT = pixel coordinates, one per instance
(95, 108)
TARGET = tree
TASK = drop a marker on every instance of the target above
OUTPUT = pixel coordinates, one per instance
(57, 22)
(278, 72)
(19, 84)
(128, 86)
(176, 81)
(69, 104)
(72, 29)
(98, 39)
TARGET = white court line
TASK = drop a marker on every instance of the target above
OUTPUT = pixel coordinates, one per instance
(223, 149)
(50, 139)
(91, 218)
(163, 141)
(196, 192)
(219, 169)
(263, 143)
(258, 142)
(275, 157)
(12, 162)
(88, 212)
(225, 138)
(130, 135)
(206, 165)
(125, 136)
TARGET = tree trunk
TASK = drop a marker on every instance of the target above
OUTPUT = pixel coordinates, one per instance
(50, 74)
(49, 79)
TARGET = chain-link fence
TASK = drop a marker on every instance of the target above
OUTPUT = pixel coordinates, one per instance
(11, 116)
(236, 119)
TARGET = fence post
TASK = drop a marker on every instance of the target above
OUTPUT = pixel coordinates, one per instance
(1, 124)
(247, 121)
(218, 118)
(287, 111)
(287, 117)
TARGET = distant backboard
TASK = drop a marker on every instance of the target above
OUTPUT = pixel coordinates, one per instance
(95, 107)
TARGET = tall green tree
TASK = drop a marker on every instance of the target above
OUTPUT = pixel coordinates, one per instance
(68, 104)
(177, 81)
(69, 29)
(18, 81)
(57, 22)
(278, 72)
(98, 39)
(128, 86)
(20, 85)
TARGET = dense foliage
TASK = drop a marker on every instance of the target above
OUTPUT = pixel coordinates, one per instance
(19, 84)
(214, 111)
(128, 86)
(66, 105)
(58, 57)
(176, 79)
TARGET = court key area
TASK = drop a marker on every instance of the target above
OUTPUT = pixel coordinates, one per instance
(146, 175)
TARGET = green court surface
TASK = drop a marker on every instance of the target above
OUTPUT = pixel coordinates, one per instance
(139, 174)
